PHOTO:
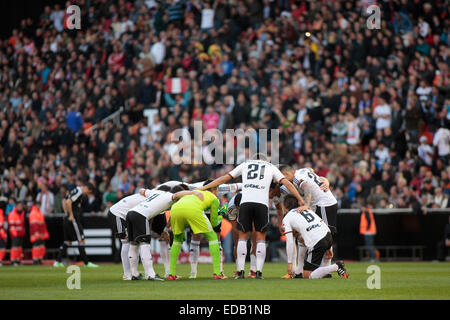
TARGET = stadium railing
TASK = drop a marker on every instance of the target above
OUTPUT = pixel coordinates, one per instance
(114, 117)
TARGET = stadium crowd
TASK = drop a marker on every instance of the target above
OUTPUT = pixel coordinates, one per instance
(367, 108)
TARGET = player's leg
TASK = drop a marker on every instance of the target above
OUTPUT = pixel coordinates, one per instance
(261, 223)
(119, 227)
(326, 260)
(329, 216)
(194, 253)
(147, 260)
(301, 252)
(69, 236)
(322, 272)
(331, 213)
(125, 248)
(81, 244)
(314, 258)
(252, 272)
(62, 253)
(144, 244)
(133, 250)
(214, 250)
(313, 270)
(159, 224)
(199, 223)
(260, 253)
(244, 226)
(326, 269)
(178, 239)
(164, 241)
(218, 230)
(178, 223)
(165, 255)
(235, 237)
(241, 252)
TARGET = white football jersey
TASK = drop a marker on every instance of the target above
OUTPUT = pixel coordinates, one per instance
(121, 208)
(321, 198)
(257, 176)
(157, 202)
(310, 226)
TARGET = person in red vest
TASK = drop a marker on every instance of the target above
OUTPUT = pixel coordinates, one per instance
(38, 234)
(16, 223)
(2, 236)
(368, 229)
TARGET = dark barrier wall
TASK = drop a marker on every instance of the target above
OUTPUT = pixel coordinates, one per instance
(392, 229)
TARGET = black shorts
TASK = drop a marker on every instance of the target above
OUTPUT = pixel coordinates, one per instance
(73, 230)
(159, 223)
(138, 227)
(314, 257)
(329, 216)
(119, 226)
(252, 213)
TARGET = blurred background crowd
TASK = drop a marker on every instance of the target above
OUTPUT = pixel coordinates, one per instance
(366, 108)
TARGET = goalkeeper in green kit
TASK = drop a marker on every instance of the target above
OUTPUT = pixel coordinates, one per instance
(189, 212)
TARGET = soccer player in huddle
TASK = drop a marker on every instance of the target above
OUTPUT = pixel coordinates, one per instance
(318, 196)
(138, 226)
(189, 211)
(316, 237)
(194, 251)
(119, 211)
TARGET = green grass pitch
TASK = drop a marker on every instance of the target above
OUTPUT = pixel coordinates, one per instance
(407, 280)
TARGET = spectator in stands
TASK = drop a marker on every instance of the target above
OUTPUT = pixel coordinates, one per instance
(425, 151)
(45, 199)
(385, 88)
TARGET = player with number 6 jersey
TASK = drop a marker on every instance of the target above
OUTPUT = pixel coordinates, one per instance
(315, 235)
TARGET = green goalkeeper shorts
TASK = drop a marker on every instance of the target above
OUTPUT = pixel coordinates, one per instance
(181, 218)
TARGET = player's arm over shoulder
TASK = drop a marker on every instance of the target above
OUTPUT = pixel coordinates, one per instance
(177, 196)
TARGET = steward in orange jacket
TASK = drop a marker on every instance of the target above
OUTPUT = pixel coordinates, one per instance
(16, 225)
(368, 229)
(367, 224)
(38, 234)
